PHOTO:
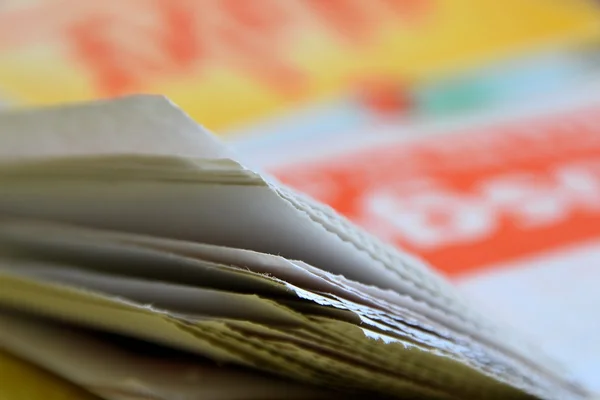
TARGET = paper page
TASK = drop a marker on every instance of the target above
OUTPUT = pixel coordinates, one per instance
(175, 298)
(131, 255)
(102, 312)
(131, 125)
(116, 371)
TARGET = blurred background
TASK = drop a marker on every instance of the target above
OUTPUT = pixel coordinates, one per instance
(466, 131)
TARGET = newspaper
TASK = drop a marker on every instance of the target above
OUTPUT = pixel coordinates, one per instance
(134, 246)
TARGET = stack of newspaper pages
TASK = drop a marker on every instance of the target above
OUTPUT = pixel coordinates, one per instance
(140, 260)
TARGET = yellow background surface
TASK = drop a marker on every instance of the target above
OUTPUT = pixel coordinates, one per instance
(36, 67)
(20, 380)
